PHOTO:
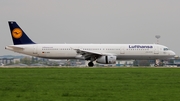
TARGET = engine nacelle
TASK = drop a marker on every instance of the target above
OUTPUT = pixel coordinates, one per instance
(106, 60)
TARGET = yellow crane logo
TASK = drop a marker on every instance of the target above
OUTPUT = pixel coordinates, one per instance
(17, 33)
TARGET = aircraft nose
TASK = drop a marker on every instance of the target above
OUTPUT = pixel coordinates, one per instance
(172, 53)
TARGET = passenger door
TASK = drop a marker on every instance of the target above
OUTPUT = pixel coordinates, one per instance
(156, 50)
(122, 50)
(35, 49)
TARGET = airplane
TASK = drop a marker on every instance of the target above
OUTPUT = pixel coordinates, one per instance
(101, 53)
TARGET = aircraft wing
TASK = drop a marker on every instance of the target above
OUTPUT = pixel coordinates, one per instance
(86, 54)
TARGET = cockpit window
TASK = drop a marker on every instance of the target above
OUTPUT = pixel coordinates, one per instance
(165, 49)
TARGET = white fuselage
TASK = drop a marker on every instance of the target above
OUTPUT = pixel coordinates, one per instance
(121, 51)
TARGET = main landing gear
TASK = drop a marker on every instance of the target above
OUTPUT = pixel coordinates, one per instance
(91, 64)
(158, 62)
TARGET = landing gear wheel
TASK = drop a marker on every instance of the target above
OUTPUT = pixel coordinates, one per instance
(90, 64)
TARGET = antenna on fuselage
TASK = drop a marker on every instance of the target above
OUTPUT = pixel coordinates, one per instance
(157, 37)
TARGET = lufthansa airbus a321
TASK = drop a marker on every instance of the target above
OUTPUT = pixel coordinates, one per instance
(101, 53)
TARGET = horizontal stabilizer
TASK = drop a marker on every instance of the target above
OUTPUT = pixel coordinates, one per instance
(13, 47)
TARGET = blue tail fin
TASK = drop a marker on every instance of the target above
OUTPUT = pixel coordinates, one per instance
(18, 35)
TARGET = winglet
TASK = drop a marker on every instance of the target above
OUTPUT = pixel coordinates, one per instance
(18, 35)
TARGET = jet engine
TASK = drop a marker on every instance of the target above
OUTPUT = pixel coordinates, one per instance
(106, 60)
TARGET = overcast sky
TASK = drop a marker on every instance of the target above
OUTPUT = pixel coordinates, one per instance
(93, 21)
